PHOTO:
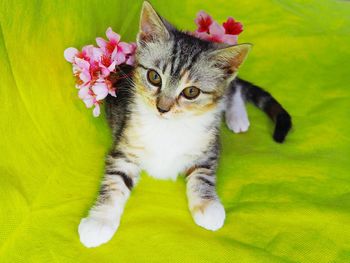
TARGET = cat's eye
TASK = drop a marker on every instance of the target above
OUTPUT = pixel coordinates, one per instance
(191, 93)
(154, 78)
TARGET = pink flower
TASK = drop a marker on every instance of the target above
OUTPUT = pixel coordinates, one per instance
(92, 67)
(94, 96)
(217, 34)
(70, 53)
(81, 68)
(106, 65)
(130, 60)
(210, 30)
(96, 112)
(232, 27)
(113, 47)
(203, 21)
(100, 90)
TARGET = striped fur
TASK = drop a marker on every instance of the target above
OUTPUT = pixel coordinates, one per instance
(184, 138)
(263, 100)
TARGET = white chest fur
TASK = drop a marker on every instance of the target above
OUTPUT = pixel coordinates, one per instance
(167, 147)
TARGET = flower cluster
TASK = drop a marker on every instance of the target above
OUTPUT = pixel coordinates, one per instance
(92, 67)
(210, 30)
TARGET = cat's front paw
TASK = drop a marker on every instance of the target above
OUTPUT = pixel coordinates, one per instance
(237, 122)
(211, 215)
(94, 232)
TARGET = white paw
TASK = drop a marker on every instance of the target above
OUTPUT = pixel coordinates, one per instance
(94, 232)
(237, 123)
(211, 217)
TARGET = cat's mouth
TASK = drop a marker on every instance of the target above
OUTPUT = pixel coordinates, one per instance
(164, 116)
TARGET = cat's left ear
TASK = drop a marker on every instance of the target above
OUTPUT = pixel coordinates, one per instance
(152, 26)
(231, 58)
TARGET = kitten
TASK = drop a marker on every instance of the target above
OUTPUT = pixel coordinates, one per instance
(165, 120)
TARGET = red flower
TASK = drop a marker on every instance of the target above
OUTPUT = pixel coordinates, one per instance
(203, 21)
(232, 27)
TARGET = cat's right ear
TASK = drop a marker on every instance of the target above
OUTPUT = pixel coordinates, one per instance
(151, 25)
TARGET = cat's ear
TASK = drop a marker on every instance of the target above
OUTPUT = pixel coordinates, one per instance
(152, 26)
(231, 58)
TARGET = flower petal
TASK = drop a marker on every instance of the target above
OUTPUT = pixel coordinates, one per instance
(203, 21)
(75, 69)
(230, 39)
(82, 64)
(232, 27)
(118, 57)
(105, 71)
(85, 76)
(70, 53)
(97, 53)
(133, 47)
(202, 35)
(112, 35)
(89, 102)
(88, 51)
(96, 112)
(84, 93)
(112, 92)
(216, 29)
(131, 60)
(112, 66)
(101, 42)
(101, 90)
(124, 47)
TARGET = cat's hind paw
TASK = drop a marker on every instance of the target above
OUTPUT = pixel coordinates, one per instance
(211, 216)
(94, 232)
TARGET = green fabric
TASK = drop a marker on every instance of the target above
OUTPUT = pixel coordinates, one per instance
(284, 203)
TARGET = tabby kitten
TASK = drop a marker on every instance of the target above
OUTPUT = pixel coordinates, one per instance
(165, 120)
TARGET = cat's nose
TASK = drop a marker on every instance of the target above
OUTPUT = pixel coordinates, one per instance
(164, 103)
(162, 110)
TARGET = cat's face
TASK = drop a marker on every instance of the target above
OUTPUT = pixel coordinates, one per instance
(177, 74)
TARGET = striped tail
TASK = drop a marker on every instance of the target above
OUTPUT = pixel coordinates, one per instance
(264, 100)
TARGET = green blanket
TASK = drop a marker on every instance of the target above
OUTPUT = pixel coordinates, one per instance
(284, 203)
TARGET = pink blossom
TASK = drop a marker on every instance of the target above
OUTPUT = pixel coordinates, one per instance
(114, 47)
(107, 65)
(208, 29)
(232, 27)
(70, 53)
(90, 99)
(96, 112)
(203, 21)
(100, 89)
(130, 60)
(92, 67)
(217, 34)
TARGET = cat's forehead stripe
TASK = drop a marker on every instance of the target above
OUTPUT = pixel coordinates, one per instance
(184, 55)
(174, 57)
(165, 65)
